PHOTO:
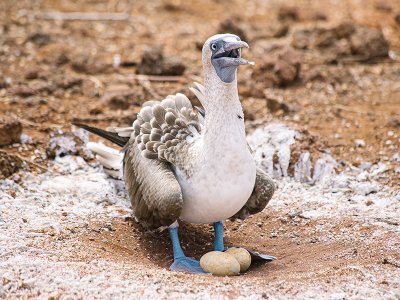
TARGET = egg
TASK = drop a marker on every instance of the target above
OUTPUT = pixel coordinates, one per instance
(242, 256)
(220, 264)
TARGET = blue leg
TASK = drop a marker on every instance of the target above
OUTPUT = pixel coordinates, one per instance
(219, 244)
(181, 262)
(219, 236)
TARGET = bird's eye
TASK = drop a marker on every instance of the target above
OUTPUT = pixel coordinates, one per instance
(213, 46)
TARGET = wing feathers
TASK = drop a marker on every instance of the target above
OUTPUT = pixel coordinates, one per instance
(161, 126)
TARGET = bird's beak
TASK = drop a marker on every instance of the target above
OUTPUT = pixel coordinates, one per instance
(230, 53)
(228, 46)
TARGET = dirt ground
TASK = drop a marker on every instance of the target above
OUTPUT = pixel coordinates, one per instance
(329, 69)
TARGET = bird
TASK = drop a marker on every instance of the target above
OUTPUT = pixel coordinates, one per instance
(190, 163)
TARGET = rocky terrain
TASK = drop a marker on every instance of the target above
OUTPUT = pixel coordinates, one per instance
(322, 110)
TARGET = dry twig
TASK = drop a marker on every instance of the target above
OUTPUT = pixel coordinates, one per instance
(83, 16)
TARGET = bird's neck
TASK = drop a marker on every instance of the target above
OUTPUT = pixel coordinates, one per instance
(224, 123)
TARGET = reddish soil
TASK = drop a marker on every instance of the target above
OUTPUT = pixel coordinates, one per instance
(53, 72)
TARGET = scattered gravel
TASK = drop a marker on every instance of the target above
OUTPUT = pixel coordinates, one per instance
(73, 194)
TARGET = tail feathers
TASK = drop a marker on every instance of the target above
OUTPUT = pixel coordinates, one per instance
(111, 136)
(109, 158)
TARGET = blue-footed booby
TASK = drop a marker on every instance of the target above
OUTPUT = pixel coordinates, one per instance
(187, 163)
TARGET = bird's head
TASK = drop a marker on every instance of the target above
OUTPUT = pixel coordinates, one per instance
(221, 56)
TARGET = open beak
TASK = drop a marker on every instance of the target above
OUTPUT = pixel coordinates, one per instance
(230, 53)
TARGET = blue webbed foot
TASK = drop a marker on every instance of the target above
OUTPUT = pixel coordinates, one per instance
(187, 265)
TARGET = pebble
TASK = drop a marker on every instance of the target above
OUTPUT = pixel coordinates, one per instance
(365, 166)
(242, 256)
(280, 67)
(364, 188)
(10, 130)
(9, 164)
(359, 143)
(220, 264)
(153, 62)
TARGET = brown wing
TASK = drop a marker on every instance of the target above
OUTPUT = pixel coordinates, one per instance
(155, 193)
(161, 128)
(263, 190)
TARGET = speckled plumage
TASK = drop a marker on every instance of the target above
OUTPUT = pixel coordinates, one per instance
(152, 187)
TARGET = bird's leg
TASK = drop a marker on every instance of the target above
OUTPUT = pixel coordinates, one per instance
(219, 244)
(181, 262)
(219, 236)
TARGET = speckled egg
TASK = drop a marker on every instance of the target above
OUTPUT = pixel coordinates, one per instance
(219, 264)
(242, 256)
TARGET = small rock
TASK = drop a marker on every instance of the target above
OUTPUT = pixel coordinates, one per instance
(364, 188)
(344, 30)
(32, 73)
(10, 130)
(394, 122)
(301, 39)
(154, 63)
(280, 68)
(379, 168)
(55, 54)
(359, 143)
(340, 181)
(275, 105)
(40, 39)
(288, 13)
(324, 168)
(151, 62)
(62, 144)
(22, 91)
(369, 202)
(365, 165)
(66, 82)
(242, 256)
(302, 168)
(397, 19)
(323, 37)
(230, 25)
(172, 5)
(121, 99)
(89, 65)
(9, 164)
(369, 43)
(4, 82)
(363, 176)
(25, 139)
(220, 264)
(173, 66)
(343, 40)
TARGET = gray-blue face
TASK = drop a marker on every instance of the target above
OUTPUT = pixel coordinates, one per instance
(226, 56)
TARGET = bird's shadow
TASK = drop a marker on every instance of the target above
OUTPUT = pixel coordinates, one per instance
(196, 240)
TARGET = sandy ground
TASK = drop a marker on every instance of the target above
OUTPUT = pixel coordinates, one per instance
(325, 124)
(69, 233)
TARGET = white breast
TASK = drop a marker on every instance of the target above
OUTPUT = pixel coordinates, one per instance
(219, 189)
